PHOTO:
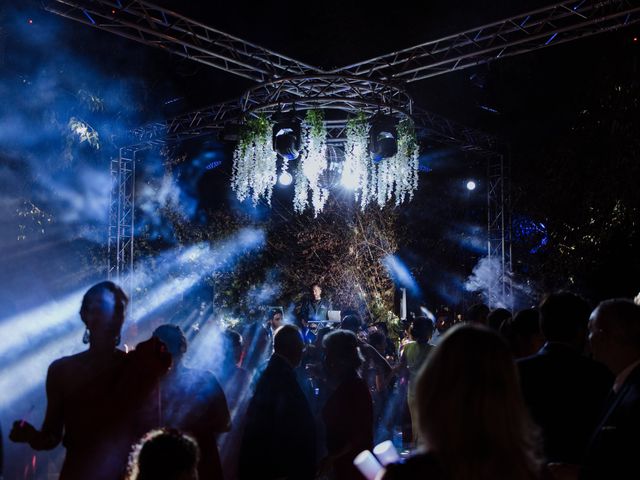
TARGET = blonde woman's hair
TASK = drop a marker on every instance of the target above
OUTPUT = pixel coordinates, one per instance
(471, 414)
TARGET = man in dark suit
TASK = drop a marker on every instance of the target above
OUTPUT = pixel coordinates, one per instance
(564, 390)
(614, 334)
(279, 440)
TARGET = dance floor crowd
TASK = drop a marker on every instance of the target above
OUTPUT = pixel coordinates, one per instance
(551, 392)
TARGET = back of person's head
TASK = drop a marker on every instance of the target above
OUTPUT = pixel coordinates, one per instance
(382, 327)
(477, 313)
(232, 345)
(173, 338)
(121, 299)
(526, 322)
(421, 329)
(322, 332)
(496, 318)
(341, 350)
(351, 322)
(377, 340)
(619, 319)
(564, 318)
(470, 408)
(164, 454)
(288, 342)
(523, 332)
(444, 320)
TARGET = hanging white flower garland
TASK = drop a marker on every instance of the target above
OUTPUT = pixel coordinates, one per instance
(312, 164)
(356, 170)
(254, 162)
(398, 176)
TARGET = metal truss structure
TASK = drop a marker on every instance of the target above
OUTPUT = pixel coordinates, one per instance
(499, 227)
(552, 25)
(121, 217)
(373, 85)
(161, 28)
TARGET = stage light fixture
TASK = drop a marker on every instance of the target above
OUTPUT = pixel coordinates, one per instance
(383, 137)
(471, 185)
(287, 135)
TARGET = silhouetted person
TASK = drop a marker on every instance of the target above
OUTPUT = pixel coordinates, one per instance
(190, 400)
(279, 440)
(477, 313)
(615, 341)
(414, 355)
(348, 413)
(497, 317)
(471, 414)
(354, 324)
(523, 333)
(235, 382)
(164, 454)
(80, 393)
(563, 389)
(256, 346)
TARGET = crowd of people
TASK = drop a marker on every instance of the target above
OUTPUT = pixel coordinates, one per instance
(551, 392)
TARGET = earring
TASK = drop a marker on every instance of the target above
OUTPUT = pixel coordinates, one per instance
(86, 336)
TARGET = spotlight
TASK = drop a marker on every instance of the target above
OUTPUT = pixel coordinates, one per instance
(287, 135)
(471, 185)
(285, 179)
(383, 137)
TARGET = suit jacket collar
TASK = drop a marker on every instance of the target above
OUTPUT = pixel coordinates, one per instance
(558, 348)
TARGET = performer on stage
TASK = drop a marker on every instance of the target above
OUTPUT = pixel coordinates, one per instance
(313, 309)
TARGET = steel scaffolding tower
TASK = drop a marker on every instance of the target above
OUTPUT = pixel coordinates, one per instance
(121, 218)
(499, 227)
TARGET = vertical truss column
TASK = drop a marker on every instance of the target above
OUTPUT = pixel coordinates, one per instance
(499, 229)
(121, 219)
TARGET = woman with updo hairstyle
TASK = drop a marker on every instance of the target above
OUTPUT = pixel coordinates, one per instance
(80, 392)
(472, 419)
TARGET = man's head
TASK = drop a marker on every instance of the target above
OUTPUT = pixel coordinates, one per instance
(563, 318)
(351, 322)
(316, 291)
(421, 329)
(287, 342)
(478, 313)
(523, 332)
(174, 339)
(614, 333)
(443, 320)
(276, 319)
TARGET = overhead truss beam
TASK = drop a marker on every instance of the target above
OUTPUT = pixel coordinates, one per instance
(161, 28)
(553, 25)
(341, 94)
